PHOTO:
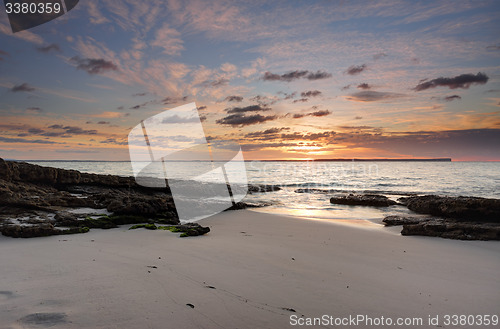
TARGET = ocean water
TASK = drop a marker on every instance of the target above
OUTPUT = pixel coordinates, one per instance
(393, 179)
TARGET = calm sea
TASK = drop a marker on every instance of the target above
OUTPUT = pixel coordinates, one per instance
(394, 179)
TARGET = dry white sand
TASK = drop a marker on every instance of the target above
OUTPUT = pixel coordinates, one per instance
(244, 274)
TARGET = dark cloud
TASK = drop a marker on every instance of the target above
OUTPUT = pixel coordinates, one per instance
(103, 123)
(233, 99)
(215, 83)
(56, 127)
(264, 100)
(288, 96)
(318, 75)
(22, 140)
(451, 98)
(345, 88)
(93, 65)
(320, 113)
(356, 69)
(251, 108)
(461, 81)
(47, 49)
(241, 120)
(310, 93)
(372, 96)
(139, 106)
(364, 86)
(358, 118)
(113, 141)
(379, 56)
(3, 54)
(309, 136)
(271, 132)
(72, 130)
(468, 143)
(173, 100)
(140, 94)
(24, 87)
(493, 47)
(493, 91)
(35, 131)
(294, 75)
(34, 110)
(201, 108)
(120, 107)
(301, 100)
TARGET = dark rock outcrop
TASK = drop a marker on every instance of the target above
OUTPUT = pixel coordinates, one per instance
(454, 230)
(36, 201)
(373, 200)
(395, 220)
(460, 208)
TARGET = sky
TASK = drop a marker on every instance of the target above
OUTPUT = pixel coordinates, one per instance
(283, 79)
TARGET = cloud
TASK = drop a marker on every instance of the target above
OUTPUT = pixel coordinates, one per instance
(113, 141)
(173, 100)
(311, 93)
(180, 119)
(73, 130)
(168, 39)
(451, 98)
(461, 81)
(47, 49)
(241, 120)
(34, 110)
(201, 108)
(251, 108)
(136, 107)
(3, 54)
(320, 113)
(356, 69)
(233, 99)
(294, 75)
(95, 15)
(493, 47)
(318, 75)
(215, 83)
(301, 100)
(286, 95)
(140, 94)
(23, 140)
(372, 96)
(364, 86)
(266, 134)
(265, 100)
(379, 56)
(358, 118)
(93, 65)
(109, 115)
(103, 123)
(24, 87)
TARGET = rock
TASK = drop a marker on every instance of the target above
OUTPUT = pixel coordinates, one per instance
(395, 220)
(244, 205)
(462, 208)
(454, 230)
(373, 200)
(262, 188)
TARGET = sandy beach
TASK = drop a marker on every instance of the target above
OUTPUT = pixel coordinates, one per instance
(253, 270)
